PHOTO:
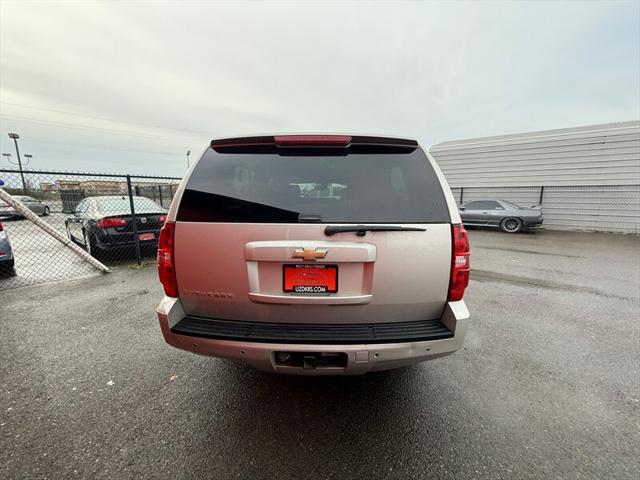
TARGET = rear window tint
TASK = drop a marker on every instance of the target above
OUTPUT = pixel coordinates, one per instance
(354, 188)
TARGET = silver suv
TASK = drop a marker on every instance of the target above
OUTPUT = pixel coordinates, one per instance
(314, 254)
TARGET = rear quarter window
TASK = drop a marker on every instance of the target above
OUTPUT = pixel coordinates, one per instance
(328, 188)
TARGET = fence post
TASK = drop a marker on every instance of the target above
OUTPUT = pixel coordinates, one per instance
(461, 194)
(541, 194)
(134, 225)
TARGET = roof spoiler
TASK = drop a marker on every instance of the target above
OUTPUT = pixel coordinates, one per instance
(311, 141)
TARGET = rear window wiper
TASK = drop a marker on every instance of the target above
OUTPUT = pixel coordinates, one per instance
(361, 230)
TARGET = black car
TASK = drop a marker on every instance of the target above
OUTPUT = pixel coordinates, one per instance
(104, 223)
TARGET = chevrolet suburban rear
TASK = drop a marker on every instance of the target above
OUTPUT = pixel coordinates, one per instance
(314, 254)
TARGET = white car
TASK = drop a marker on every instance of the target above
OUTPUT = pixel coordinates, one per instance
(36, 206)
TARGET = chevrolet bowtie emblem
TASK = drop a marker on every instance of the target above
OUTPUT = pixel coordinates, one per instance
(309, 253)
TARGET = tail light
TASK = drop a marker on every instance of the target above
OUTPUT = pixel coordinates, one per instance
(460, 263)
(1, 227)
(166, 265)
(311, 140)
(111, 222)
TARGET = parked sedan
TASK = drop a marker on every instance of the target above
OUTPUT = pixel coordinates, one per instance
(506, 216)
(36, 206)
(105, 223)
(6, 253)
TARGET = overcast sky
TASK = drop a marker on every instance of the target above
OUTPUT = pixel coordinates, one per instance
(131, 86)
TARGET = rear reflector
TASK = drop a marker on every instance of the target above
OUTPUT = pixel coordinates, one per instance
(111, 222)
(312, 140)
(460, 266)
(166, 265)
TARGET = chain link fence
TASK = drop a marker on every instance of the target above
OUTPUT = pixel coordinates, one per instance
(116, 218)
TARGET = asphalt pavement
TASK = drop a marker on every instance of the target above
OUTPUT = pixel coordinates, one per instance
(547, 385)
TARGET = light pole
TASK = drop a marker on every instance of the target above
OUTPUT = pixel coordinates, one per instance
(15, 137)
(7, 156)
(28, 156)
(188, 153)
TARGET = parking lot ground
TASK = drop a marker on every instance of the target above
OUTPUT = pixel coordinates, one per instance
(547, 385)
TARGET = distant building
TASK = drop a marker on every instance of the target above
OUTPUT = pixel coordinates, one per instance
(585, 178)
(68, 184)
(95, 187)
(48, 187)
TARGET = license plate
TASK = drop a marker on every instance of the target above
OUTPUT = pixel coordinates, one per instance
(146, 236)
(310, 278)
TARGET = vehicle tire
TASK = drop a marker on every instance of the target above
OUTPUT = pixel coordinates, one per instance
(8, 268)
(69, 236)
(89, 245)
(46, 212)
(511, 225)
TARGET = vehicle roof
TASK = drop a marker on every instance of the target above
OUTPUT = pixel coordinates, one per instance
(113, 197)
(311, 140)
(315, 133)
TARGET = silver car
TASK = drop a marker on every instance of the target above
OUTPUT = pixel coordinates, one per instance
(6, 253)
(314, 254)
(506, 216)
(36, 206)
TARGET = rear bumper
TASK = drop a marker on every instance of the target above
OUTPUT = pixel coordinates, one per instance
(6, 253)
(362, 357)
(532, 223)
(107, 241)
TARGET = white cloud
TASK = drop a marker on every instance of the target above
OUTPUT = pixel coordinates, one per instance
(434, 71)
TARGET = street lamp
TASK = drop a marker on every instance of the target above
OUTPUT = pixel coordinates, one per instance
(188, 153)
(15, 137)
(28, 156)
(7, 156)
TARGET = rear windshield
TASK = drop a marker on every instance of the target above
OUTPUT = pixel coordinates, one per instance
(120, 204)
(354, 188)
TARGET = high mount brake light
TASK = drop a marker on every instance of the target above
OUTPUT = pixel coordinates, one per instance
(460, 266)
(312, 140)
(166, 264)
(111, 222)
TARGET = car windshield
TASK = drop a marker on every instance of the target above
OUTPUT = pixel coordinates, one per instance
(121, 204)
